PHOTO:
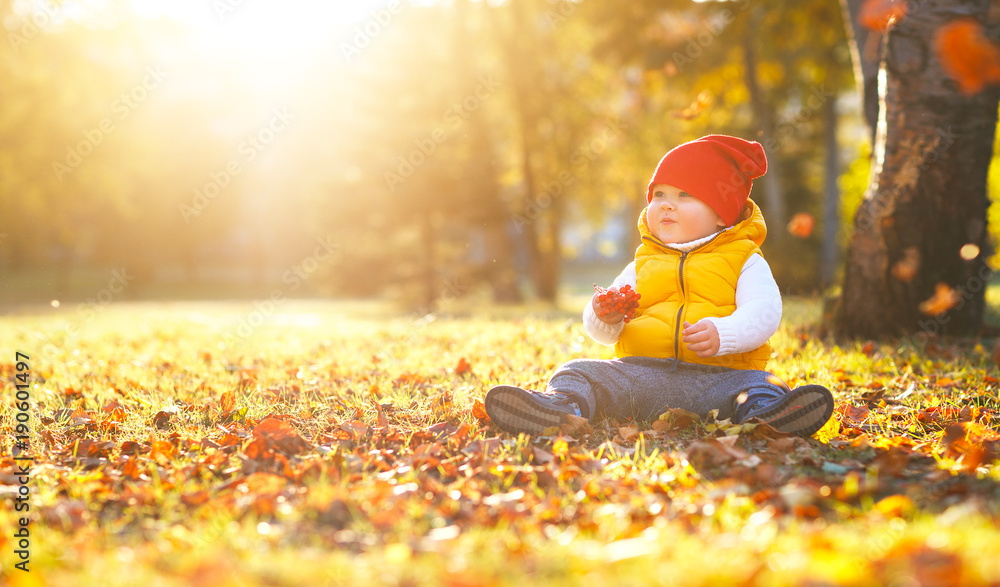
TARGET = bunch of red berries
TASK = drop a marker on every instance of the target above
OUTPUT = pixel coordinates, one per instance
(623, 300)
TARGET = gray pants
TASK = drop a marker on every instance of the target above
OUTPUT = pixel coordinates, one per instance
(642, 388)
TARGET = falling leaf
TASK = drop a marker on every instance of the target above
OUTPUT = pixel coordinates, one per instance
(967, 55)
(877, 15)
(944, 299)
(906, 268)
(802, 225)
(703, 101)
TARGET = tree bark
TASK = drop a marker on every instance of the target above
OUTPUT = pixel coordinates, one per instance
(774, 198)
(865, 51)
(495, 218)
(829, 251)
(525, 77)
(928, 198)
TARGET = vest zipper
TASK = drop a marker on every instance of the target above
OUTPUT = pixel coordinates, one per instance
(680, 310)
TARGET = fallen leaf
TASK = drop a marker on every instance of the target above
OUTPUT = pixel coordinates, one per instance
(894, 506)
(280, 436)
(576, 426)
(479, 412)
(463, 367)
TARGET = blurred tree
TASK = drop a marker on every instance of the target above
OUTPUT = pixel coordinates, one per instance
(916, 260)
(769, 75)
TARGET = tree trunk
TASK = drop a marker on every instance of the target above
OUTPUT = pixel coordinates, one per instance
(831, 195)
(525, 78)
(928, 198)
(774, 199)
(865, 50)
(495, 218)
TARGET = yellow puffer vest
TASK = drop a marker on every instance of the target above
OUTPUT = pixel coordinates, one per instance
(678, 287)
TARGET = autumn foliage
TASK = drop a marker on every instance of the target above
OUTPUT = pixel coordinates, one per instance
(357, 459)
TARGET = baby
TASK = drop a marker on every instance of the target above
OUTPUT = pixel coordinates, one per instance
(708, 305)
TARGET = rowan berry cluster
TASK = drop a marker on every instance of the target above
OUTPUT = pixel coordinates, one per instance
(623, 300)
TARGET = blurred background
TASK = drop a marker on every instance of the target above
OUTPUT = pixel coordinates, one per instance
(416, 151)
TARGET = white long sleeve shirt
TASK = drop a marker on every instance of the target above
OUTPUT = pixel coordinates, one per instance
(755, 320)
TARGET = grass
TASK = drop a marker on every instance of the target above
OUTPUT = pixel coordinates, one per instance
(152, 465)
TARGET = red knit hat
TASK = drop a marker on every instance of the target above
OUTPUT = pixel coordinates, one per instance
(717, 169)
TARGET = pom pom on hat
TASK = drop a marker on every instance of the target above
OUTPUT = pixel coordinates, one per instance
(717, 169)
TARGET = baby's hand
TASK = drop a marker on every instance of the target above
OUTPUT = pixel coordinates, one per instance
(616, 304)
(604, 315)
(702, 338)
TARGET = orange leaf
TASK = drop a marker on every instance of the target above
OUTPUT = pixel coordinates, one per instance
(854, 415)
(383, 422)
(479, 412)
(944, 299)
(114, 410)
(162, 451)
(228, 401)
(802, 224)
(463, 367)
(879, 14)
(967, 56)
(257, 449)
(703, 101)
(280, 436)
(906, 268)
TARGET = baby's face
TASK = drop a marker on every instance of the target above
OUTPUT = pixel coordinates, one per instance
(675, 216)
